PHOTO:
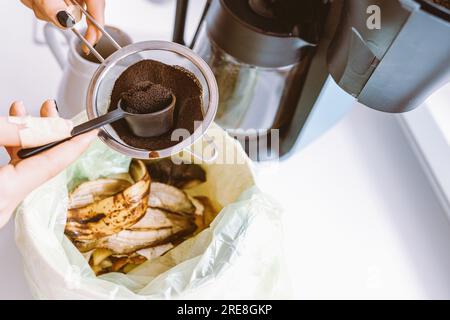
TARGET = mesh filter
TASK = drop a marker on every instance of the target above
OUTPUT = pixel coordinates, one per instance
(103, 81)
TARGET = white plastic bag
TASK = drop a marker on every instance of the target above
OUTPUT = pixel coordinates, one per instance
(239, 256)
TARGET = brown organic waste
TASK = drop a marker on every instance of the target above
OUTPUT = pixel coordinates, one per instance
(175, 79)
(182, 176)
(444, 3)
(146, 97)
(122, 221)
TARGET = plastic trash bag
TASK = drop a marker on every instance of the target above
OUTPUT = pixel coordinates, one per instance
(239, 257)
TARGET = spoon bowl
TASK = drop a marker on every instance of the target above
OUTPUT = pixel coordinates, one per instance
(151, 124)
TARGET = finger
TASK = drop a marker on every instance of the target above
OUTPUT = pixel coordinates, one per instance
(91, 36)
(30, 132)
(96, 9)
(32, 172)
(36, 9)
(49, 9)
(9, 132)
(17, 110)
(49, 109)
(27, 3)
(39, 14)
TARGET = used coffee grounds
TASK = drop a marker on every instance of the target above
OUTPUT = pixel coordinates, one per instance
(175, 79)
(146, 97)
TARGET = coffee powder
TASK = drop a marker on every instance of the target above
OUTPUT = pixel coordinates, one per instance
(146, 97)
(182, 83)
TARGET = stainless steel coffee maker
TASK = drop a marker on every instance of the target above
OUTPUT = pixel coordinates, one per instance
(274, 60)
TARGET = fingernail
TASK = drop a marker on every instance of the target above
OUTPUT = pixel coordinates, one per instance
(65, 19)
(56, 105)
(15, 105)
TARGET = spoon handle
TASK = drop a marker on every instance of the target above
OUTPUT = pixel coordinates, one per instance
(96, 123)
(30, 152)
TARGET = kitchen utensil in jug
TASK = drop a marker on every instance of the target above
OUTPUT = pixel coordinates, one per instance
(77, 67)
(102, 82)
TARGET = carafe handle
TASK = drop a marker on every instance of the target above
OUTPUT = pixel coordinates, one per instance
(180, 22)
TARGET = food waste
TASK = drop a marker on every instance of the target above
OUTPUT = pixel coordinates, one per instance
(146, 97)
(148, 86)
(122, 221)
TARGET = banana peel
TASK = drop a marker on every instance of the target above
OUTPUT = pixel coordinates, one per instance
(93, 191)
(120, 224)
(155, 252)
(155, 228)
(129, 241)
(159, 219)
(112, 214)
(209, 212)
(169, 198)
(99, 255)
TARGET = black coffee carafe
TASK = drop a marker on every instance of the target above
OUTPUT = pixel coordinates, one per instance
(260, 52)
(273, 59)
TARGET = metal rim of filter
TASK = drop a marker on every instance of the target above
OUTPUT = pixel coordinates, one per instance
(110, 62)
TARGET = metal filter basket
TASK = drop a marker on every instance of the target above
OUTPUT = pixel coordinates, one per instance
(102, 83)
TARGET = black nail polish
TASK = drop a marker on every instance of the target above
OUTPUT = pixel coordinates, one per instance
(65, 19)
(56, 105)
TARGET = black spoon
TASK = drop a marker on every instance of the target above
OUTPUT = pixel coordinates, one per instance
(143, 125)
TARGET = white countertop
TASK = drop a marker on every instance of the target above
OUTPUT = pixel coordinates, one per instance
(361, 218)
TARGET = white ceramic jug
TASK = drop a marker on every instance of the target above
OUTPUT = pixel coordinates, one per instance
(77, 68)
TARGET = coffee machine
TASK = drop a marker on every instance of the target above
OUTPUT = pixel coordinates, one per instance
(276, 60)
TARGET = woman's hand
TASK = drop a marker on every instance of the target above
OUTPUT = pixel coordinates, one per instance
(19, 178)
(48, 10)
